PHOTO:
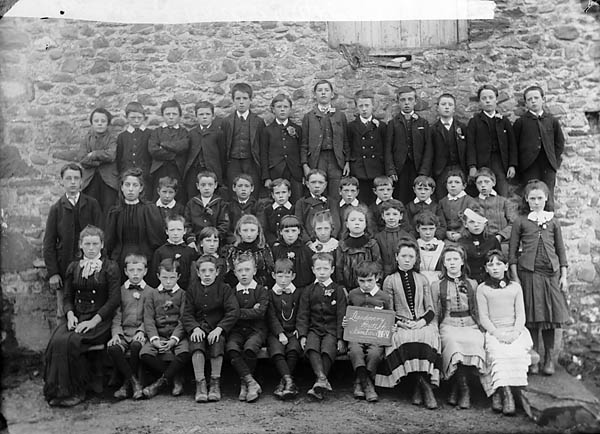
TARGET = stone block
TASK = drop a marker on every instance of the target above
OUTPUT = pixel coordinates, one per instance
(45, 43)
(15, 91)
(217, 77)
(17, 252)
(38, 159)
(229, 66)
(100, 66)
(258, 52)
(11, 39)
(12, 165)
(586, 272)
(113, 55)
(175, 55)
(566, 33)
(100, 42)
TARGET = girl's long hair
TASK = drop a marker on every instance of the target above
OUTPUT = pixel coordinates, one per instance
(249, 219)
(534, 184)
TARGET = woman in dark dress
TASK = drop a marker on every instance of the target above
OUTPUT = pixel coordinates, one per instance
(91, 296)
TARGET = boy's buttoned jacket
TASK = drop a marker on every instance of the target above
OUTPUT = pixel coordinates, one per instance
(129, 317)
(479, 142)
(210, 144)
(312, 137)
(366, 148)
(397, 148)
(322, 312)
(98, 152)
(209, 307)
(280, 149)
(197, 217)
(162, 313)
(440, 145)
(257, 124)
(533, 134)
(169, 144)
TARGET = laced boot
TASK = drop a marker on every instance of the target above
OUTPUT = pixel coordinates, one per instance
(201, 392)
(254, 389)
(497, 401)
(453, 395)
(123, 391)
(508, 407)
(154, 388)
(137, 387)
(177, 386)
(278, 392)
(358, 392)
(428, 396)
(243, 390)
(214, 393)
(289, 389)
(369, 388)
(417, 398)
(549, 363)
(465, 393)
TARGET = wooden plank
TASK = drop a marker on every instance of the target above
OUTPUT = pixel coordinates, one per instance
(410, 34)
(462, 30)
(428, 33)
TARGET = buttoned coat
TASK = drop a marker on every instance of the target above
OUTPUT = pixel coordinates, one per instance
(441, 145)
(257, 124)
(312, 137)
(396, 151)
(280, 149)
(97, 153)
(366, 148)
(533, 136)
(479, 142)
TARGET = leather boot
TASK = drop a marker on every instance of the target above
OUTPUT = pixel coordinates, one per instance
(508, 407)
(465, 394)
(453, 395)
(322, 385)
(254, 389)
(428, 396)
(358, 392)
(123, 391)
(243, 390)
(177, 386)
(369, 388)
(315, 393)
(137, 388)
(497, 401)
(289, 390)
(214, 393)
(154, 388)
(72, 400)
(278, 392)
(201, 392)
(549, 363)
(417, 398)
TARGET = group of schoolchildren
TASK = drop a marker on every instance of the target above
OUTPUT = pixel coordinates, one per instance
(396, 230)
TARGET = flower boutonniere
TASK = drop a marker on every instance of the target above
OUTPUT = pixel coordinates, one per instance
(136, 295)
(209, 211)
(476, 243)
(375, 122)
(291, 131)
(498, 116)
(333, 302)
(177, 256)
(168, 304)
(291, 255)
(460, 133)
(502, 284)
(328, 292)
(331, 110)
(415, 116)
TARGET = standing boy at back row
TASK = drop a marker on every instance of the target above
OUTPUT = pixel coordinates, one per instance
(324, 142)
(408, 146)
(242, 137)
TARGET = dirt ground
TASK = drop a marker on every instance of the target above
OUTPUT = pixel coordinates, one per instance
(27, 412)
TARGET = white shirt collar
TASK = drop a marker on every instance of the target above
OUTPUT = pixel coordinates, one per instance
(243, 115)
(287, 205)
(130, 129)
(407, 115)
(170, 205)
(326, 283)
(353, 203)
(537, 114)
(447, 123)
(164, 125)
(128, 283)
(73, 199)
(378, 201)
(284, 123)
(252, 285)
(131, 202)
(364, 121)
(426, 201)
(278, 289)
(242, 202)
(458, 196)
(322, 198)
(173, 291)
(324, 108)
(490, 116)
(492, 193)
(540, 217)
(434, 241)
(202, 128)
(372, 292)
(205, 201)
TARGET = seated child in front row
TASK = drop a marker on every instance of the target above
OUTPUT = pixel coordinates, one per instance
(163, 308)
(392, 213)
(383, 188)
(174, 248)
(455, 203)
(365, 358)
(249, 239)
(319, 322)
(242, 202)
(322, 226)
(250, 331)
(430, 248)
(307, 207)
(128, 327)
(206, 209)
(290, 246)
(282, 341)
(281, 206)
(424, 186)
(507, 340)
(476, 241)
(210, 312)
(357, 246)
(166, 203)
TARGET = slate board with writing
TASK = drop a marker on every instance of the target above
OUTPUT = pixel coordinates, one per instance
(369, 326)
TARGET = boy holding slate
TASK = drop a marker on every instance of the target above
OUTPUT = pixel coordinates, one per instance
(366, 357)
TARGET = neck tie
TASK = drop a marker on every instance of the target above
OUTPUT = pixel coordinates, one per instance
(135, 287)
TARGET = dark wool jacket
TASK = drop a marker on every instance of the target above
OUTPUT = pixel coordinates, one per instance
(209, 307)
(397, 147)
(280, 149)
(533, 135)
(310, 147)
(322, 313)
(479, 143)
(366, 148)
(169, 145)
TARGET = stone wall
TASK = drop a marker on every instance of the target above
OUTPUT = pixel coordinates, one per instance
(53, 73)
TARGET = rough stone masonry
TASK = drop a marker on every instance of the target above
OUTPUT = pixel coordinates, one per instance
(55, 72)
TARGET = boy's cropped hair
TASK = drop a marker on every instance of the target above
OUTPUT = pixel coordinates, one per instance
(368, 269)
(392, 204)
(459, 173)
(207, 174)
(134, 107)
(406, 89)
(168, 182)
(241, 87)
(484, 171)
(424, 180)
(245, 177)
(104, 112)
(348, 180)
(91, 231)
(135, 258)
(244, 257)
(207, 258)
(279, 98)
(382, 180)
(364, 94)
(320, 82)
(171, 103)
(290, 221)
(426, 218)
(204, 104)
(487, 87)
(279, 182)
(531, 89)
(446, 95)
(71, 166)
(284, 265)
(170, 265)
(313, 172)
(175, 218)
(208, 231)
(323, 256)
